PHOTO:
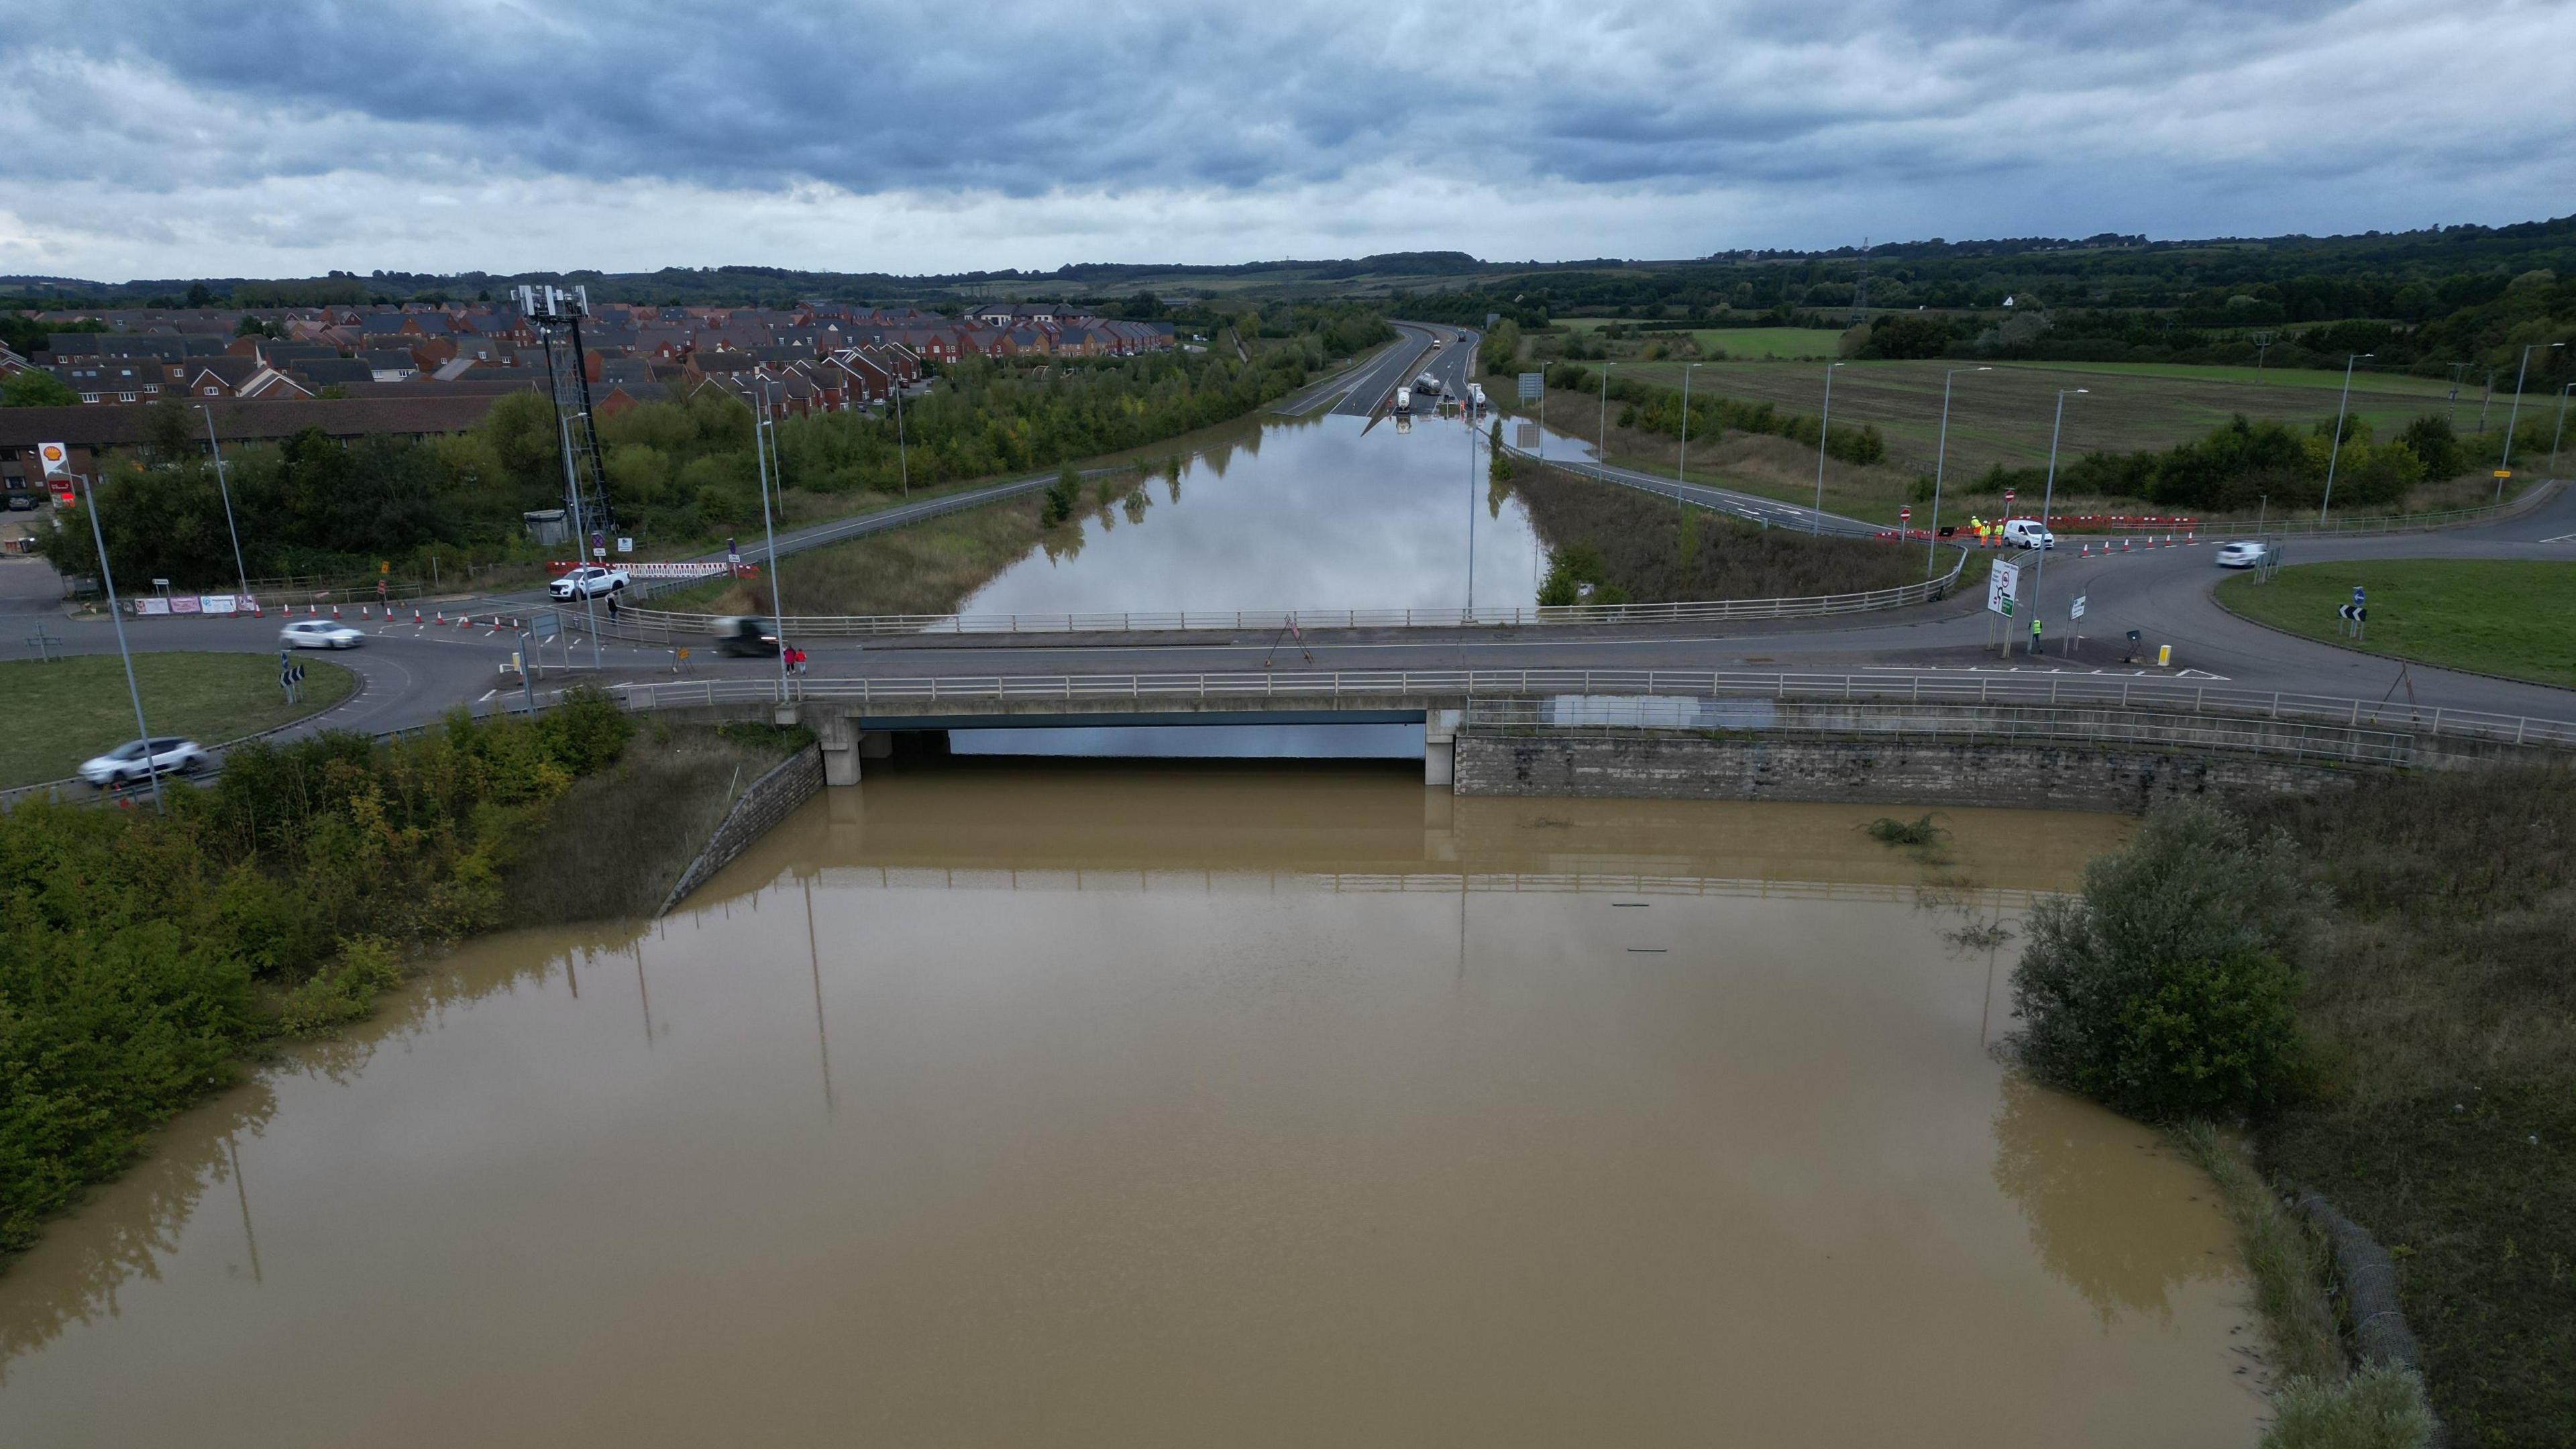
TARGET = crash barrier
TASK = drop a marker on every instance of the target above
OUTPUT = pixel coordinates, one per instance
(668, 628)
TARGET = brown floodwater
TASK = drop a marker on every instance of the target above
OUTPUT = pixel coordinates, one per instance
(1133, 1106)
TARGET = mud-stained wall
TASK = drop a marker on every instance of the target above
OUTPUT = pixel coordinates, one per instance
(1927, 772)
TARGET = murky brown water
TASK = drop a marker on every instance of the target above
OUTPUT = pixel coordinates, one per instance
(1133, 1107)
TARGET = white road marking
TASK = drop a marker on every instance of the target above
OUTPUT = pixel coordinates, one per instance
(2562, 538)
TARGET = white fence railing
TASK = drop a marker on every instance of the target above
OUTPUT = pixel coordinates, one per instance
(1448, 688)
(666, 627)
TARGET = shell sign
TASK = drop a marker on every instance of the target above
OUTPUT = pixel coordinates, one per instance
(56, 458)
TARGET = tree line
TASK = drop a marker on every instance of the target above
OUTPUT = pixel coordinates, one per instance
(677, 471)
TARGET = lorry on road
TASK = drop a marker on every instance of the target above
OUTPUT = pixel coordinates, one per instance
(1426, 383)
(1476, 396)
(1403, 402)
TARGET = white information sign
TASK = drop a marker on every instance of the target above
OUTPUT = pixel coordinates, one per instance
(2076, 609)
(2003, 588)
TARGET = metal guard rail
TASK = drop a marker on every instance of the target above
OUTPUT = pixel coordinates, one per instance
(671, 628)
(2441, 722)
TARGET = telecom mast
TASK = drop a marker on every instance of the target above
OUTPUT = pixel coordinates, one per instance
(1860, 289)
(556, 313)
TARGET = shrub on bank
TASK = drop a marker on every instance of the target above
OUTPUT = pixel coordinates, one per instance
(2167, 989)
(140, 953)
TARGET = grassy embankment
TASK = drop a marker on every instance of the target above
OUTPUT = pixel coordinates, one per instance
(2511, 617)
(150, 956)
(2376, 980)
(1652, 551)
(2440, 1020)
(61, 713)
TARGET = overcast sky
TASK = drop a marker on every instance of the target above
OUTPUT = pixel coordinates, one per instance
(289, 137)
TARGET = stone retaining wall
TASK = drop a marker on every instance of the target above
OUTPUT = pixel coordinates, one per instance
(787, 785)
(2045, 775)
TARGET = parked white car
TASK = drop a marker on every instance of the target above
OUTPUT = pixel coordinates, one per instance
(588, 582)
(143, 759)
(2245, 553)
(2026, 533)
(319, 634)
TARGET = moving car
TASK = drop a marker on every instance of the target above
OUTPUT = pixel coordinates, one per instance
(319, 634)
(588, 582)
(143, 759)
(2245, 553)
(2026, 533)
(745, 637)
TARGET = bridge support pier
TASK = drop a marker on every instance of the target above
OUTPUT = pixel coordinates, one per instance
(845, 746)
(1440, 748)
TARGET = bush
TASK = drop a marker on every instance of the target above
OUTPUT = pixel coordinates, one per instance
(2165, 991)
(2379, 1407)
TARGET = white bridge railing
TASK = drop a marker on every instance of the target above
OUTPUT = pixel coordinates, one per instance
(663, 626)
(1324, 689)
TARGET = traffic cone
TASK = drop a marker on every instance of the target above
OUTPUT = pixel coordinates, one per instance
(442, 618)
(415, 616)
(363, 613)
(2084, 551)
(335, 611)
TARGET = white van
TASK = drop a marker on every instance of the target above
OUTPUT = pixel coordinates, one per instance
(2026, 533)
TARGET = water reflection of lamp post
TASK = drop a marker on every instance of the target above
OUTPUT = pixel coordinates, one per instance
(1471, 521)
(1940, 458)
(1683, 463)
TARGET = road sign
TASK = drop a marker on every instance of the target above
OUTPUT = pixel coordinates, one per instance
(2504, 472)
(2353, 614)
(2003, 588)
(1532, 384)
(1905, 515)
(384, 566)
(625, 545)
(2076, 609)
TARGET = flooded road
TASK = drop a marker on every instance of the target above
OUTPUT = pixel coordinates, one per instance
(1320, 512)
(1126, 1105)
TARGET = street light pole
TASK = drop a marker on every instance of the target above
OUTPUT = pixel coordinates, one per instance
(760, 466)
(2334, 453)
(1824, 435)
(1471, 520)
(2047, 497)
(1602, 448)
(901, 460)
(1940, 458)
(225, 489)
(2561, 430)
(2505, 466)
(107, 578)
(1684, 462)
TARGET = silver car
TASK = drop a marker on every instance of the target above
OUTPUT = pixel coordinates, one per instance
(319, 634)
(2245, 553)
(143, 759)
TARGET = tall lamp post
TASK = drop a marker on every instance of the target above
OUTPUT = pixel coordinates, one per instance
(1824, 435)
(2334, 453)
(107, 579)
(1602, 448)
(760, 462)
(2048, 496)
(1940, 457)
(1684, 462)
(1471, 519)
(2561, 430)
(225, 488)
(2506, 465)
(901, 459)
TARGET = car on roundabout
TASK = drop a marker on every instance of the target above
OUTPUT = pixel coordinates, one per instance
(745, 637)
(142, 759)
(590, 581)
(2244, 553)
(320, 634)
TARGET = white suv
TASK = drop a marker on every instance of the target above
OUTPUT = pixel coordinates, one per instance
(588, 582)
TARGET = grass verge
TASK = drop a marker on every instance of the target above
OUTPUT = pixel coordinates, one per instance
(2286, 1261)
(611, 848)
(61, 713)
(2440, 1015)
(1655, 551)
(928, 567)
(2510, 617)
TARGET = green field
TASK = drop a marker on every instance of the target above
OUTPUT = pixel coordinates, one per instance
(62, 713)
(2004, 415)
(1738, 343)
(2510, 617)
